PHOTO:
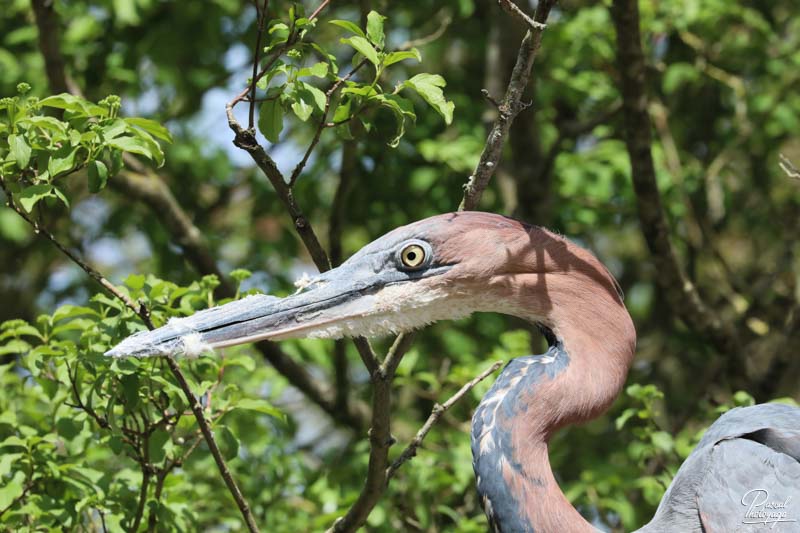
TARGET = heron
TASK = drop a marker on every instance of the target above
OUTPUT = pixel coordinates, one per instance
(744, 475)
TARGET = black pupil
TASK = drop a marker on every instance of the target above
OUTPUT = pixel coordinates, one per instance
(411, 256)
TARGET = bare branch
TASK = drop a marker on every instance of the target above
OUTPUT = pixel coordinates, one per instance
(197, 409)
(788, 167)
(511, 104)
(261, 19)
(680, 292)
(137, 518)
(436, 414)
(512, 8)
(446, 20)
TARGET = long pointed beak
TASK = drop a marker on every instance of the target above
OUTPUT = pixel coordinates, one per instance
(321, 309)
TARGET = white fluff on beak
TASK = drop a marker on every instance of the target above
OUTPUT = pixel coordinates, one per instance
(303, 281)
(194, 346)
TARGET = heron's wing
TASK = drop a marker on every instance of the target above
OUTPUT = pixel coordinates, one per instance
(749, 487)
(742, 446)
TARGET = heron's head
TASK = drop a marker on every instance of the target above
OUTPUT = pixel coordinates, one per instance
(443, 267)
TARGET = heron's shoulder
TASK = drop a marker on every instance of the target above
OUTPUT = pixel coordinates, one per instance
(744, 421)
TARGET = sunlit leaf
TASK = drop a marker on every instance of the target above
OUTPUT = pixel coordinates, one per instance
(429, 87)
(363, 46)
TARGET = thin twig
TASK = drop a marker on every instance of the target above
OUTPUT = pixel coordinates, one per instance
(94, 274)
(137, 520)
(788, 167)
(510, 106)
(436, 414)
(261, 17)
(512, 8)
(446, 20)
(323, 123)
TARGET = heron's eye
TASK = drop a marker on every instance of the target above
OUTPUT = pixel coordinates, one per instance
(412, 256)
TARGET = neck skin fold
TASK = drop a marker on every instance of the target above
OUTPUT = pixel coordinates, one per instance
(575, 381)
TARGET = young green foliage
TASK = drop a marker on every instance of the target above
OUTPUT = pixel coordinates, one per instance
(44, 141)
(287, 88)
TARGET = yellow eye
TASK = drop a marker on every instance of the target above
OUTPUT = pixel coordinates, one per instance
(412, 255)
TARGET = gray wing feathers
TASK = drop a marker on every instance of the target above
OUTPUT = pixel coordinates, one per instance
(746, 447)
(749, 488)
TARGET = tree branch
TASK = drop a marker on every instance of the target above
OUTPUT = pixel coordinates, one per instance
(49, 31)
(510, 106)
(680, 292)
(436, 414)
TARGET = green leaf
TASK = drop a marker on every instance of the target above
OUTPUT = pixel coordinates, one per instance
(364, 90)
(20, 150)
(240, 274)
(116, 162)
(396, 57)
(130, 390)
(624, 417)
(46, 123)
(342, 111)
(363, 46)
(662, 440)
(7, 460)
(135, 146)
(156, 445)
(116, 444)
(12, 489)
(429, 87)
(228, 443)
(75, 104)
(60, 195)
(62, 161)
(375, 29)
(302, 109)
(679, 74)
(114, 129)
(260, 406)
(157, 154)
(312, 95)
(243, 360)
(270, 120)
(152, 127)
(135, 281)
(29, 196)
(98, 176)
(349, 26)
(320, 70)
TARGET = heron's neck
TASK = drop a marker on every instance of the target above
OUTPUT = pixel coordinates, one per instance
(592, 344)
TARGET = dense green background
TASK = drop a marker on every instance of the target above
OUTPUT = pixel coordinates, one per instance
(723, 82)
